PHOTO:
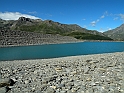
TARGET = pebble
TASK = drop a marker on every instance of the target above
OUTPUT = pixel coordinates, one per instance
(79, 74)
(50, 90)
(4, 82)
(3, 90)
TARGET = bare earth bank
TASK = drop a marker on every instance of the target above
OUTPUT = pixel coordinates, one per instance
(100, 73)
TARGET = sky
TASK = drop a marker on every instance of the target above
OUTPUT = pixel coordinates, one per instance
(100, 15)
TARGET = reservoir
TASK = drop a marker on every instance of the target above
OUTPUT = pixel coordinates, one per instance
(59, 50)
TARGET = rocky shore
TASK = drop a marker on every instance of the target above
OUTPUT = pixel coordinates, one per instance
(23, 38)
(100, 73)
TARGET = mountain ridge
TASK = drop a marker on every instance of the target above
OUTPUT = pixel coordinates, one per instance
(117, 33)
(50, 27)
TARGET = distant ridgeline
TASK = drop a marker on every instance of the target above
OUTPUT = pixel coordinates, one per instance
(50, 27)
(117, 33)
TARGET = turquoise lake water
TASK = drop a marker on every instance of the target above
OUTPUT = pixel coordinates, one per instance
(59, 50)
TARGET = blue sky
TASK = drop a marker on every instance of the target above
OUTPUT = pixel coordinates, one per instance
(98, 15)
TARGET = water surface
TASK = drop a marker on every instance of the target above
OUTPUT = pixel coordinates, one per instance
(59, 50)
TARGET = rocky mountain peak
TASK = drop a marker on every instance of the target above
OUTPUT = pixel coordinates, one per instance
(122, 26)
(23, 19)
(117, 33)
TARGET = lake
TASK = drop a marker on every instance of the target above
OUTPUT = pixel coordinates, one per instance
(59, 50)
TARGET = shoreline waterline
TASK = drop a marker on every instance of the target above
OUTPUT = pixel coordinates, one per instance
(67, 57)
(69, 42)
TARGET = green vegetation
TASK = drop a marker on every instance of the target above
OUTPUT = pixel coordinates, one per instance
(44, 28)
(87, 36)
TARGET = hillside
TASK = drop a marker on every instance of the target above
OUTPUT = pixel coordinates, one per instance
(51, 27)
(117, 33)
(23, 38)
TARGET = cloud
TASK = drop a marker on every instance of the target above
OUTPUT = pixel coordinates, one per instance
(105, 29)
(93, 23)
(34, 12)
(97, 20)
(116, 18)
(121, 17)
(102, 16)
(106, 13)
(109, 28)
(84, 19)
(102, 30)
(49, 15)
(15, 16)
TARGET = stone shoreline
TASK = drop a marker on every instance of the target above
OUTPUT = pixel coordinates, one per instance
(10, 38)
(99, 73)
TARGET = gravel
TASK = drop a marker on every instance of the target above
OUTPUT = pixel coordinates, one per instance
(99, 73)
(10, 38)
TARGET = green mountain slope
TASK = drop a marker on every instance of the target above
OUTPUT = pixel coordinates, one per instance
(51, 27)
(87, 36)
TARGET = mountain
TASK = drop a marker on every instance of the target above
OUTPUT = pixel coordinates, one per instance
(117, 33)
(51, 27)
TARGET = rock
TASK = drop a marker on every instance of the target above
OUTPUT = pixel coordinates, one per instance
(3, 90)
(63, 91)
(77, 83)
(86, 69)
(69, 87)
(93, 84)
(50, 90)
(21, 19)
(36, 71)
(68, 70)
(73, 90)
(93, 61)
(89, 79)
(0, 76)
(90, 90)
(10, 87)
(54, 87)
(80, 91)
(5, 82)
(117, 91)
(58, 69)
(43, 86)
(105, 91)
(74, 72)
(88, 61)
(33, 89)
(14, 79)
(45, 80)
(69, 91)
(102, 69)
(61, 85)
(26, 81)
